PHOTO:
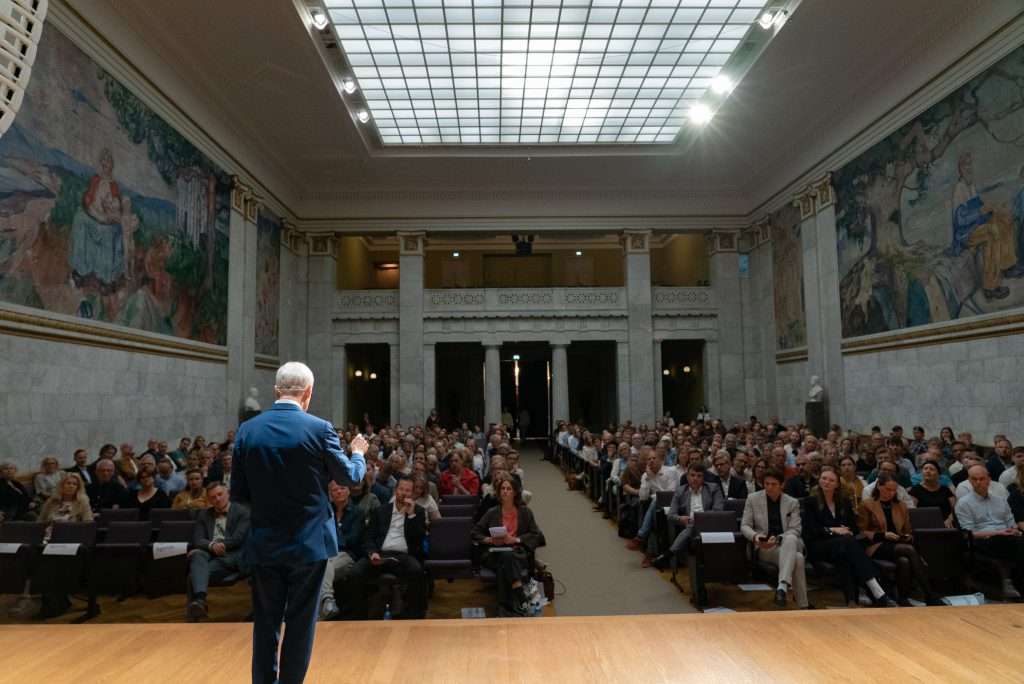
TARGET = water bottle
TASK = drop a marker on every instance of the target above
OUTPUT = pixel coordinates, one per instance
(387, 611)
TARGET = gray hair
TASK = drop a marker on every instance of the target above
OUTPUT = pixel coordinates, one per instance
(293, 378)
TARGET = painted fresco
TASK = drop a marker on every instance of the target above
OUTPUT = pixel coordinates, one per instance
(106, 212)
(268, 282)
(931, 220)
(788, 279)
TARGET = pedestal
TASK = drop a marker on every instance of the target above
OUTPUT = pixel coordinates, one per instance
(816, 418)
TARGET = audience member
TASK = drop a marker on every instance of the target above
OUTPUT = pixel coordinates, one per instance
(459, 479)
(15, 501)
(421, 495)
(193, 497)
(931, 493)
(1009, 476)
(147, 496)
(47, 480)
(80, 466)
(695, 497)
(772, 523)
(68, 503)
(217, 540)
(990, 521)
(167, 480)
(351, 526)
(105, 491)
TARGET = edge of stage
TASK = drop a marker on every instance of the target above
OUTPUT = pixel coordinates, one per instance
(909, 644)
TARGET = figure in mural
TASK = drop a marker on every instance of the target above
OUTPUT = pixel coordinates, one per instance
(977, 226)
(101, 239)
(788, 277)
(929, 221)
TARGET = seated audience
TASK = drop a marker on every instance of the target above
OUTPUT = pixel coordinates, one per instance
(458, 479)
(696, 496)
(830, 534)
(885, 527)
(193, 497)
(657, 478)
(421, 495)
(772, 523)
(990, 521)
(732, 486)
(217, 540)
(179, 455)
(167, 480)
(892, 470)
(849, 478)
(1009, 476)
(105, 491)
(931, 493)
(799, 486)
(147, 496)
(1016, 498)
(970, 459)
(47, 480)
(127, 465)
(15, 502)
(509, 554)
(351, 525)
(394, 545)
(68, 503)
(80, 466)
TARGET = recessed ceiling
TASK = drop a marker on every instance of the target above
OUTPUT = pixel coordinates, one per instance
(472, 72)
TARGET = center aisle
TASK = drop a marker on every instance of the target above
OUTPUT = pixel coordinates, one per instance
(586, 556)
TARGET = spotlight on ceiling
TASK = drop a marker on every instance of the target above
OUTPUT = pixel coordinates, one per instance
(665, 372)
(579, 252)
(771, 19)
(780, 18)
(456, 254)
(722, 84)
(687, 369)
(358, 374)
(766, 20)
(700, 114)
(349, 86)
(363, 116)
(373, 376)
(320, 20)
(515, 357)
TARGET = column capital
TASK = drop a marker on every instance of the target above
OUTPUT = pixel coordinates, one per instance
(722, 241)
(322, 244)
(636, 241)
(823, 194)
(411, 243)
(241, 193)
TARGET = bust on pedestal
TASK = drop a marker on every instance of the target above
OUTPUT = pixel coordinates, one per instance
(252, 404)
(816, 410)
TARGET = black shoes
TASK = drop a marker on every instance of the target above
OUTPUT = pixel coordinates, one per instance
(780, 598)
(884, 601)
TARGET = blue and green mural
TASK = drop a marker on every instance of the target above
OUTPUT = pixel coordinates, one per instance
(931, 220)
(788, 279)
(268, 282)
(106, 212)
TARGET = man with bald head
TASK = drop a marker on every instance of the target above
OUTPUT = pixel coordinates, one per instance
(105, 490)
(990, 521)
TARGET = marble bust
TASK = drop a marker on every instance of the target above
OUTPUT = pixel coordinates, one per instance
(252, 401)
(817, 391)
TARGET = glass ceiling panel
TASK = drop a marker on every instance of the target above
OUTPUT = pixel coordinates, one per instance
(485, 72)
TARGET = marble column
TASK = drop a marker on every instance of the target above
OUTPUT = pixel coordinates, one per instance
(341, 387)
(560, 382)
(429, 378)
(622, 384)
(637, 246)
(395, 383)
(725, 282)
(291, 342)
(321, 357)
(492, 383)
(712, 384)
(241, 319)
(658, 387)
(410, 328)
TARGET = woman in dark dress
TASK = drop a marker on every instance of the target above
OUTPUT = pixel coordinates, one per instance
(930, 493)
(147, 497)
(830, 534)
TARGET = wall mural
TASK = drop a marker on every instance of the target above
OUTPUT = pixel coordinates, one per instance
(106, 212)
(931, 220)
(788, 276)
(268, 282)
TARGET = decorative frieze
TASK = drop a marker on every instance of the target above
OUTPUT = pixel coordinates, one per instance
(321, 244)
(636, 241)
(722, 241)
(411, 244)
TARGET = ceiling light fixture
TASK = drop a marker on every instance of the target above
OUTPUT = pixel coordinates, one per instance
(700, 114)
(349, 86)
(780, 18)
(686, 369)
(358, 373)
(363, 116)
(665, 372)
(722, 84)
(515, 357)
(579, 252)
(456, 254)
(320, 20)
(766, 20)
(373, 376)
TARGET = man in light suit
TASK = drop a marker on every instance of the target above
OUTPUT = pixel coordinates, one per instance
(696, 496)
(771, 521)
(284, 460)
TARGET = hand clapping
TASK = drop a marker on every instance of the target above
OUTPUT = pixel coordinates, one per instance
(358, 445)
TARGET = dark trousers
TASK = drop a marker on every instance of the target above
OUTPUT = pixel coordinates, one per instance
(1007, 549)
(290, 594)
(408, 571)
(204, 567)
(852, 563)
(509, 567)
(909, 567)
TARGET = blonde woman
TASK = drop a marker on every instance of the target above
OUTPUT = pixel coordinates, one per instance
(68, 504)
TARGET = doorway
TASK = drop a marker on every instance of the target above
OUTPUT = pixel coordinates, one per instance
(368, 384)
(682, 379)
(459, 384)
(592, 383)
(526, 387)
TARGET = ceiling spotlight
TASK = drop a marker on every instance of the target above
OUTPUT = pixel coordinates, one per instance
(456, 254)
(780, 18)
(373, 376)
(515, 357)
(349, 86)
(700, 114)
(722, 84)
(363, 116)
(358, 373)
(686, 369)
(579, 252)
(665, 372)
(319, 18)
(766, 20)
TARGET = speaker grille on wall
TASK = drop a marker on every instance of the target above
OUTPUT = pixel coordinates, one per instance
(21, 27)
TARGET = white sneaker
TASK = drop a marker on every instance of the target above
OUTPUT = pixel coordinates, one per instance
(1010, 592)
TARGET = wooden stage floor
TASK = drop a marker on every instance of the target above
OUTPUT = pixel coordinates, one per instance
(980, 644)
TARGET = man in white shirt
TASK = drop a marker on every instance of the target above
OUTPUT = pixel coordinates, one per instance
(658, 478)
(1009, 476)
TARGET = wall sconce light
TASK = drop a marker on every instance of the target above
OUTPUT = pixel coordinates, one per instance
(687, 369)
(358, 374)
(373, 376)
(665, 372)
(515, 357)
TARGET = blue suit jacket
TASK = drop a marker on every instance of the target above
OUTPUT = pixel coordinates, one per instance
(283, 461)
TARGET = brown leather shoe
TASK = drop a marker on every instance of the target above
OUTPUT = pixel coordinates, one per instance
(646, 562)
(634, 544)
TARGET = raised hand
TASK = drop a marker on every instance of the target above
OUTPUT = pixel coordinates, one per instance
(359, 444)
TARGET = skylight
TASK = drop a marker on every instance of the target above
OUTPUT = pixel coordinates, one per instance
(494, 72)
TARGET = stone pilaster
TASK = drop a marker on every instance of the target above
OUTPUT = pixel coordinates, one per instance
(321, 357)
(410, 328)
(658, 386)
(723, 248)
(242, 272)
(340, 370)
(622, 375)
(492, 383)
(637, 248)
(560, 382)
(429, 378)
(395, 383)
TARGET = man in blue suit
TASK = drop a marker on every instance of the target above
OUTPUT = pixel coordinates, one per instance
(284, 460)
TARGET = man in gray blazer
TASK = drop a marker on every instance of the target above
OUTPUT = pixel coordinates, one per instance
(771, 521)
(696, 496)
(217, 540)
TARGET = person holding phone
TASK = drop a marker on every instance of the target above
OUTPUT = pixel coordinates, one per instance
(771, 521)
